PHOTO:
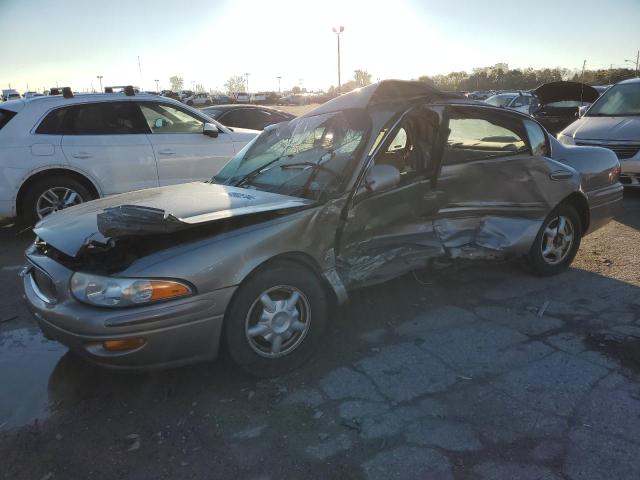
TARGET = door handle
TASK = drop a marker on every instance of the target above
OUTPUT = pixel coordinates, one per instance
(167, 151)
(81, 155)
(560, 175)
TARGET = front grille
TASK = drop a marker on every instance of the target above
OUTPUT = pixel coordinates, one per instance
(621, 151)
(44, 283)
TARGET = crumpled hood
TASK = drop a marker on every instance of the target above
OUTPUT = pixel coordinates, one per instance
(604, 128)
(190, 204)
(561, 91)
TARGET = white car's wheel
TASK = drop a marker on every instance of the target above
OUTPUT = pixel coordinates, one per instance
(51, 194)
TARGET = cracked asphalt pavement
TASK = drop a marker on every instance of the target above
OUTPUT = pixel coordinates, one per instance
(474, 371)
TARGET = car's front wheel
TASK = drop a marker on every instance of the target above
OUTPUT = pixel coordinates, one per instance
(276, 319)
(51, 194)
(557, 242)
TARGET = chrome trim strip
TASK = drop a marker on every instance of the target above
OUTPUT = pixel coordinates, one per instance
(37, 291)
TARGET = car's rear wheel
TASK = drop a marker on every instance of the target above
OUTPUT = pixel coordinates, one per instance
(276, 319)
(51, 194)
(557, 242)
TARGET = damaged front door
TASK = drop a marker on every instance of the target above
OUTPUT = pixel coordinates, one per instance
(495, 184)
(389, 232)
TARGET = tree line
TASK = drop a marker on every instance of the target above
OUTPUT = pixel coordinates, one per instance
(489, 78)
(525, 79)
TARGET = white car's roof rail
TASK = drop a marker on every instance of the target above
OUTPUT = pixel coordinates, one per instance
(66, 92)
(128, 90)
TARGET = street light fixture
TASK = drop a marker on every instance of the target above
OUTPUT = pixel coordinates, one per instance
(279, 78)
(338, 31)
(635, 62)
(157, 87)
(247, 77)
(99, 77)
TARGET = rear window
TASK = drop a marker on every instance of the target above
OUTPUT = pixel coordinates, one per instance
(105, 118)
(5, 116)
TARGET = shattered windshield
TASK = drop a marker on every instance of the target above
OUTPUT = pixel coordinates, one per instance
(308, 157)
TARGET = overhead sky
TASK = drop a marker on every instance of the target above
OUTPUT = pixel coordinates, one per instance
(70, 42)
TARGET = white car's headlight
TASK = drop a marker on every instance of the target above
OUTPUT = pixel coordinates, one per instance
(124, 292)
(566, 139)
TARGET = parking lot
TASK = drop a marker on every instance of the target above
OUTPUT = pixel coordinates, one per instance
(466, 371)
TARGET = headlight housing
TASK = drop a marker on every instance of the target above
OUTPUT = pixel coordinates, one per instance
(566, 139)
(125, 292)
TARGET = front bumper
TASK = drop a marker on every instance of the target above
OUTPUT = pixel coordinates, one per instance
(175, 333)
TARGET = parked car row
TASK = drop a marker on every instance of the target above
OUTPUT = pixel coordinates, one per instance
(554, 104)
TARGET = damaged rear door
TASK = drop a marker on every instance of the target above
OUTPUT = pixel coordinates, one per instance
(390, 232)
(496, 185)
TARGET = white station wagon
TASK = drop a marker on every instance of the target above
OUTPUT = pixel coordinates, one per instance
(60, 150)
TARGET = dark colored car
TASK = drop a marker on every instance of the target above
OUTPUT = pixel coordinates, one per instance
(254, 117)
(559, 103)
(369, 186)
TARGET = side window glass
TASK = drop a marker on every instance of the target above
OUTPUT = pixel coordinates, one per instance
(261, 119)
(235, 118)
(477, 136)
(163, 118)
(53, 123)
(521, 101)
(104, 118)
(537, 138)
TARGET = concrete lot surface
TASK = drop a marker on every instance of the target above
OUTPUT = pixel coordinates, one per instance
(474, 371)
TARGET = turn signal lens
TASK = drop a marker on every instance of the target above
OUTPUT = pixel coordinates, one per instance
(125, 344)
(163, 290)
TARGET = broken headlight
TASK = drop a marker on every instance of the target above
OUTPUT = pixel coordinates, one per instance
(124, 292)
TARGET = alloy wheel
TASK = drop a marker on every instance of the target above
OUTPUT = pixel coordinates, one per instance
(56, 198)
(278, 321)
(557, 239)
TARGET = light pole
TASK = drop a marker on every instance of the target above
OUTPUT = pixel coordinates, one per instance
(636, 62)
(338, 31)
(157, 87)
(247, 80)
(279, 78)
(99, 77)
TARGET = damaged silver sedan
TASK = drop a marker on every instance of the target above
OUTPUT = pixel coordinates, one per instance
(364, 188)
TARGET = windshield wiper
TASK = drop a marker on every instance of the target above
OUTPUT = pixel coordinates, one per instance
(240, 180)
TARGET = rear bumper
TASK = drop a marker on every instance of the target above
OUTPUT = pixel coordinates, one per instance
(174, 333)
(604, 204)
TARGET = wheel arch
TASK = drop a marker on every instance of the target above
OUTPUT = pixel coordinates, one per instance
(578, 201)
(308, 262)
(35, 176)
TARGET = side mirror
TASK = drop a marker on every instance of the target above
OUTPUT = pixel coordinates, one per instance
(159, 123)
(582, 110)
(381, 177)
(210, 130)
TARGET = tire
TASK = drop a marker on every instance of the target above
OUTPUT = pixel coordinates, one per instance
(255, 354)
(555, 263)
(30, 200)
(190, 103)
